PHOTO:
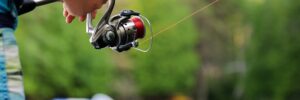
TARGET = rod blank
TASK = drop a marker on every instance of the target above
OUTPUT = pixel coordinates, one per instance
(44, 2)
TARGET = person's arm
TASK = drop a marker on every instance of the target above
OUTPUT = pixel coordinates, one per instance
(80, 8)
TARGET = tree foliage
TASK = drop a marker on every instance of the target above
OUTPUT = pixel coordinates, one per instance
(273, 54)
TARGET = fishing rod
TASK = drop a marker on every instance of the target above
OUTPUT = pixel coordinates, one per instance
(120, 32)
(30, 5)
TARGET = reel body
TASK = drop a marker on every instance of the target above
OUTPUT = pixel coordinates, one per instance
(120, 32)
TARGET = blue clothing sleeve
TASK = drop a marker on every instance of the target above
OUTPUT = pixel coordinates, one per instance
(8, 14)
(4, 6)
(11, 81)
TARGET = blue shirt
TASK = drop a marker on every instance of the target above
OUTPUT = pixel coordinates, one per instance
(8, 14)
(4, 6)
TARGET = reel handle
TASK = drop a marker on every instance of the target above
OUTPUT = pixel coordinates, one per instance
(89, 25)
(90, 29)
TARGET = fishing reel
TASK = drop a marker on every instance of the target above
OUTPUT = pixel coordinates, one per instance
(120, 32)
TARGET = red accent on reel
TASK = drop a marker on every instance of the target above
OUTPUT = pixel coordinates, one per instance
(139, 24)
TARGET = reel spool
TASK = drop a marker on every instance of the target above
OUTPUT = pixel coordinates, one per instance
(120, 32)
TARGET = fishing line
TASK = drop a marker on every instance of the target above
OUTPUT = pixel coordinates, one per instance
(180, 21)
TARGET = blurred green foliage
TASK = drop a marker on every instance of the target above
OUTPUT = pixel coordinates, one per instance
(245, 49)
(273, 54)
(171, 66)
(58, 60)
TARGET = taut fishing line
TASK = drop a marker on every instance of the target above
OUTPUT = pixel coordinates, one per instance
(180, 21)
(120, 32)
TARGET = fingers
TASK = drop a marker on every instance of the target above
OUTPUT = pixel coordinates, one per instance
(69, 19)
(65, 13)
(82, 18)
(94, 13)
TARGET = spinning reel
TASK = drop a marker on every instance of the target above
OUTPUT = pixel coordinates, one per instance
(119, 32)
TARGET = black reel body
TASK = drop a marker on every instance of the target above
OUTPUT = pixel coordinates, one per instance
(119, 32)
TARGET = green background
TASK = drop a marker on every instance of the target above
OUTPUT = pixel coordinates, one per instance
(245, 49)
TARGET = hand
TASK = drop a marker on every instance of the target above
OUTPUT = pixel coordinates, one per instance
(80, 8)
(70, 18)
